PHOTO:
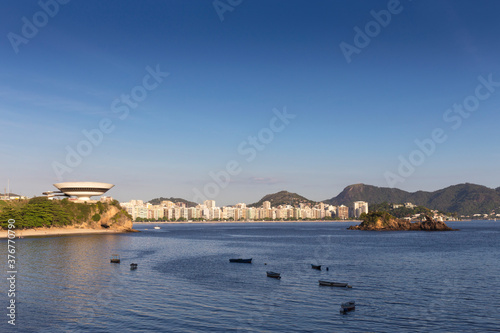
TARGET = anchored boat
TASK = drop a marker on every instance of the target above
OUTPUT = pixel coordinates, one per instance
(334, 284)
(273, 275)
(347, 306)
(244, 261)
(115, 259)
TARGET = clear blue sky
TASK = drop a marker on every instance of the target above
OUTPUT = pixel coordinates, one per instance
(353, 119)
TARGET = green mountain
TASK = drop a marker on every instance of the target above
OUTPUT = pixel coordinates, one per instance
(463, 199)
(370, 194)
(157, 201)
(283, 198)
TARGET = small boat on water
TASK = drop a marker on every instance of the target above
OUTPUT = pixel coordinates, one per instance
(243, 261)
(318, 267)
(273, 275)
(334, 284)
(347, 306)
(115, 259)
(133, 266)
(157, 227)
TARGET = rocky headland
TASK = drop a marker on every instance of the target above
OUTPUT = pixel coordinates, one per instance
(382, 221)
(112, 218)
(40, 213)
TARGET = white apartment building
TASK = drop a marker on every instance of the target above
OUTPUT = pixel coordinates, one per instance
(360, 207)
(209, 203)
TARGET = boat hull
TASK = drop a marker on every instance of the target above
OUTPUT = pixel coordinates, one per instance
(334, 284)
(115, 259)
(273, 275)
(347, 307)
(242, 261)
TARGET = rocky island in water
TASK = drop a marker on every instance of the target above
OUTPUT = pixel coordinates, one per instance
(383, 221)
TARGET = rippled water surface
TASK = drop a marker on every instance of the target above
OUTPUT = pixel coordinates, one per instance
(402, 281)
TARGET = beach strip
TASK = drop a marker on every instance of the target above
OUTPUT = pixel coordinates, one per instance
(47, 232)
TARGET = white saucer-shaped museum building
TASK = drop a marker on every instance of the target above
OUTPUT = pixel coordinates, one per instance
(83, 190)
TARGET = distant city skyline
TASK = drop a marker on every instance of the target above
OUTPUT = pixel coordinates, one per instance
(208, 210)
(203, 102)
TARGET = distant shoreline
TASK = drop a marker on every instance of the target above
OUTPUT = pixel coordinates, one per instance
(53, 232)
(295, 221)
(222, 222)
(48, 232)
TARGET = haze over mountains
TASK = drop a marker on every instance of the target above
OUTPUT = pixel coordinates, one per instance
(463, 199)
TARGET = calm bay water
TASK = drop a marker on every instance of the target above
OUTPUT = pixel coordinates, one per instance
(402, 281)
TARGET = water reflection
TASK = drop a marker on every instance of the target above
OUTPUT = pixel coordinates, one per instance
(185, 282)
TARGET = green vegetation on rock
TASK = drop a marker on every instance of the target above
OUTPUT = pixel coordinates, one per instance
(40, 212)
(383, 221)
(374, 217)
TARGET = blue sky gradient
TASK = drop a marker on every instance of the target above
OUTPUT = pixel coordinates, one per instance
(353, 120)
